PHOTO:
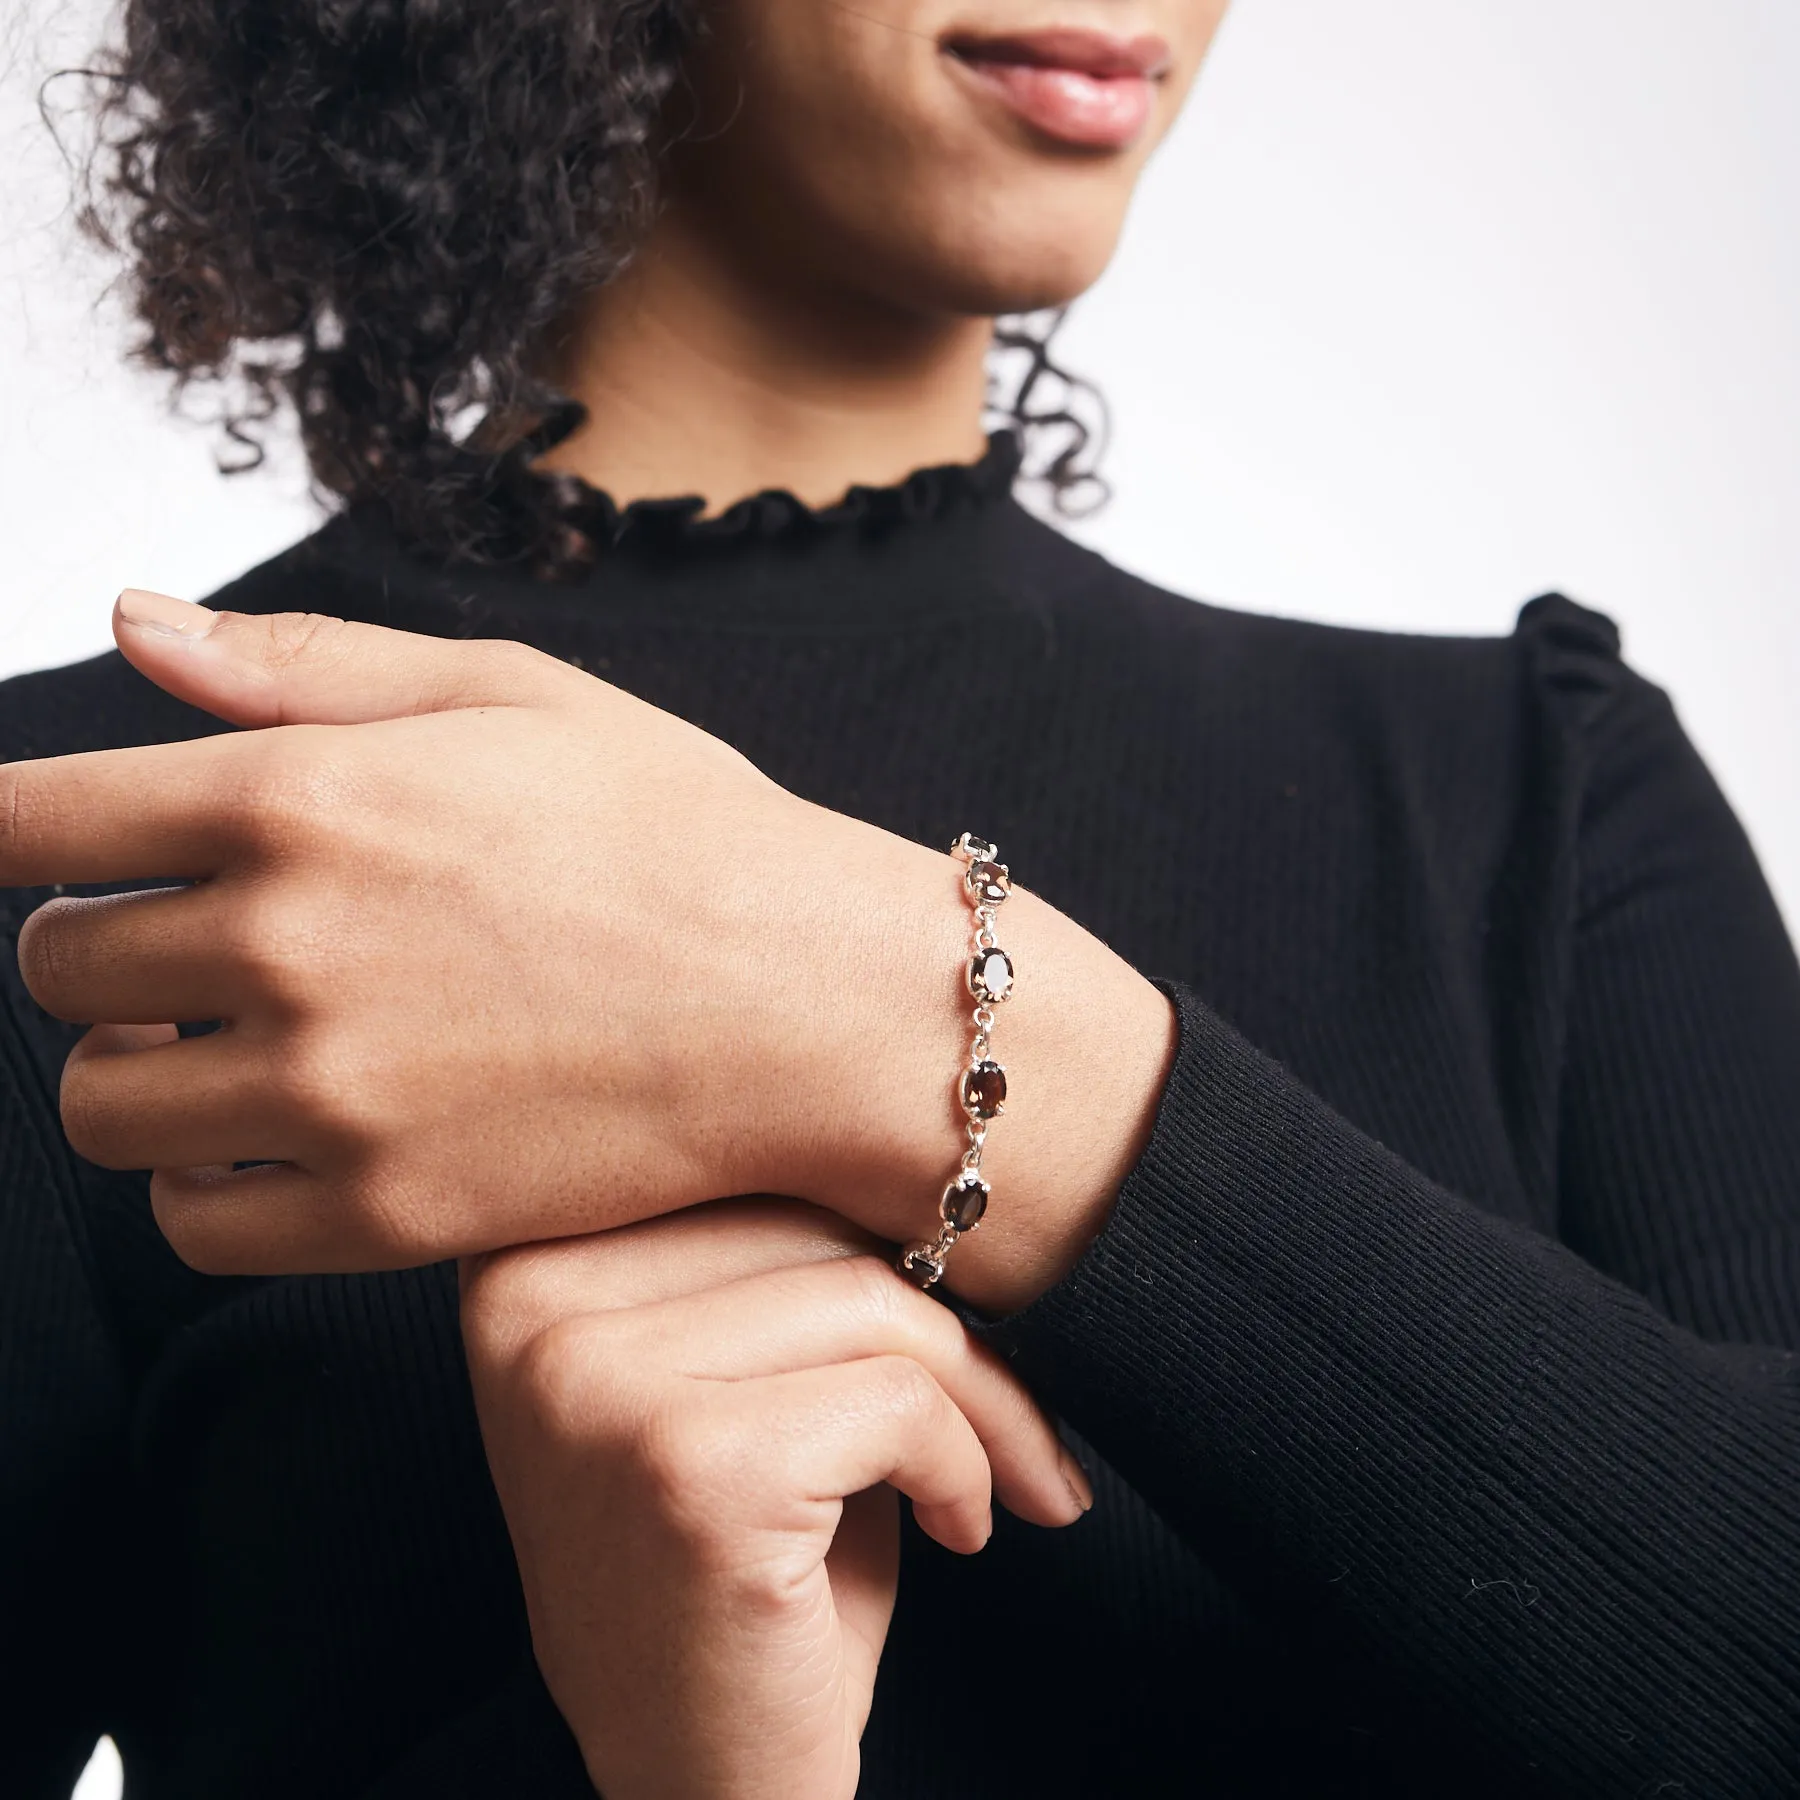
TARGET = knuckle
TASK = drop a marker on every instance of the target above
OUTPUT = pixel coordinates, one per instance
(386, 1218)
(505, 668)
(906, 1387)
(293, 789)
(509, 658)
(318, 1085)
(400, 1233)
(683, 1458)
(874, 1291)
(287, 638)
(556, 1376)
(307, 1079)
(275, 941)
(892, 1315)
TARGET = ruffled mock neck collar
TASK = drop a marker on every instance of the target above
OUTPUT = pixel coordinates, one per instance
(946, 543)
(775, 514)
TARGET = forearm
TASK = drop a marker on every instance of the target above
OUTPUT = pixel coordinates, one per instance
(1086, 1042)
(1531, 1503)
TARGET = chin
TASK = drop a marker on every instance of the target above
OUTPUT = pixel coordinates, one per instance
(1029, 275)
(1000, 292)
(1007, 252)
(1019, 277)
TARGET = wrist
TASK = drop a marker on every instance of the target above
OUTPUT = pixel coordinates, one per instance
(1086, 1042)
(862, 1121)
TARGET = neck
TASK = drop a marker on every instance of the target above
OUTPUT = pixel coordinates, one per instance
(701, 377)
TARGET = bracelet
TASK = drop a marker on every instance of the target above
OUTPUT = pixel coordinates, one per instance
(981, 1087)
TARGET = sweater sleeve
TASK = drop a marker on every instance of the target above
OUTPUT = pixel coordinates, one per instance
(62, 1449)
(1546, 1489)
(515, 1746)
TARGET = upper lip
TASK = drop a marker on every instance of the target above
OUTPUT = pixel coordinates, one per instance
(1097, 53)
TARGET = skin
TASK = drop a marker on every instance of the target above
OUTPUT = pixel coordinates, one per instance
(699, 1419)
(698, 1429)
(687, 1039)
(850, 212)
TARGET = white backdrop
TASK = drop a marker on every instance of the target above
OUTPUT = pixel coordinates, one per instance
(1430, 305)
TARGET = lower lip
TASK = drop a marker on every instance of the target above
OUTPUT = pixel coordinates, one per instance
(1097, 112)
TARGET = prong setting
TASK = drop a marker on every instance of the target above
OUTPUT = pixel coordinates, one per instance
(981, 1086)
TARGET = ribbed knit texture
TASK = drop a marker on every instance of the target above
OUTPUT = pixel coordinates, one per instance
(1438, 1363)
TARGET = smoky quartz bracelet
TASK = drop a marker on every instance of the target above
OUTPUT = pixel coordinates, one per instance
(981, 1086)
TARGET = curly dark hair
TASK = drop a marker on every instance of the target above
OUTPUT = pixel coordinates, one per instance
(374, 210)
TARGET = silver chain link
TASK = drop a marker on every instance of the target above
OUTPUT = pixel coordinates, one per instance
(985, 885)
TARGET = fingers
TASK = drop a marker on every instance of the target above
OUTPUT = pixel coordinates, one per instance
(284, 668)
(164, 810)
(142, 1097)
(834, 1431)
(274, 1219)
(190, 809)
(509, 1295)
(853, 1308)
(130, 959)
(120, 1040)
(863, 1565)
(132, 1100)
(743, 1289)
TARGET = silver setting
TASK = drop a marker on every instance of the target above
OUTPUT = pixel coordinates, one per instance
(988, 884)
(923, 1264)
(985, 885)
(967, 1182)
(969, 1089)
(979, 975)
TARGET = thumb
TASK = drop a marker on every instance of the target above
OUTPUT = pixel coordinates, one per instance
(311, 669)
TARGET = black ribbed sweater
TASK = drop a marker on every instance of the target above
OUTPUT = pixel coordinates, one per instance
(1440, 1350)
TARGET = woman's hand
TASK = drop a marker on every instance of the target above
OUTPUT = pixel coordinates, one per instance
(697, 1427)
(491, 937)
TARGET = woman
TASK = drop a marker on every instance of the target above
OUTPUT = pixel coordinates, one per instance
(1405, 1207)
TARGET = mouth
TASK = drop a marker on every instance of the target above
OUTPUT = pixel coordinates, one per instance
(1085, 88)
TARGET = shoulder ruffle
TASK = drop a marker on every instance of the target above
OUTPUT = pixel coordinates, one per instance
(1573, 649)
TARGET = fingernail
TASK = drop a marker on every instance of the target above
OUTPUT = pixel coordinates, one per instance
(165, 615)
(1075, 1479)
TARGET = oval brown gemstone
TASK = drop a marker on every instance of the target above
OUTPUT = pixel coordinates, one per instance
(990, 976)
(921, 1270)
(988, 882)
(964, 1201)
(984, 1090)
